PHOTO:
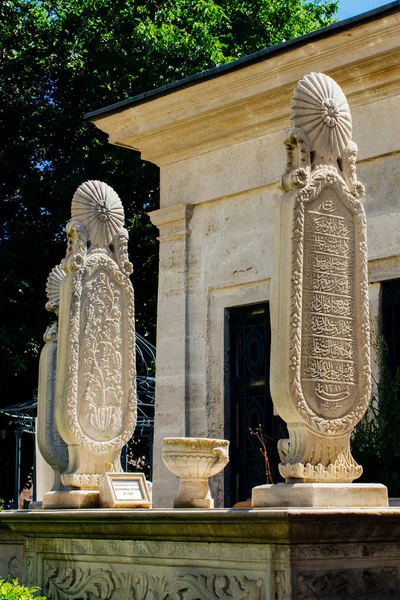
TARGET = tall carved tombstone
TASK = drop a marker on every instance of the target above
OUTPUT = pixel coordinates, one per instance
(320, 355)
(95, 408)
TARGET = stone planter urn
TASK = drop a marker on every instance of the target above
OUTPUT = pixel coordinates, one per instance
(194, 460)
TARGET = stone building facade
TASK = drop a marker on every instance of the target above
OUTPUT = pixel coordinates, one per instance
(218, 140)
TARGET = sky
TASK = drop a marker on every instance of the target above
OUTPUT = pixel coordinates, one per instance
(351, 8)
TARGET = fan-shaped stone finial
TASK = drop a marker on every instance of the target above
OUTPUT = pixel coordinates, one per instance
(320, 108)
(100, 209)
(53, 284)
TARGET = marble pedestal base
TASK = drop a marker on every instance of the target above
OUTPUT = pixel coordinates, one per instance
(280, 554)
(71, 499)
(321, 495)
(182, 502)
(194, 493)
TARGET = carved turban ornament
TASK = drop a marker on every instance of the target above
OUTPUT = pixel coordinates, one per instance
(320, 108)
(99, 208)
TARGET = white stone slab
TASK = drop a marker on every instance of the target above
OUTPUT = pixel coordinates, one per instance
(321, 495)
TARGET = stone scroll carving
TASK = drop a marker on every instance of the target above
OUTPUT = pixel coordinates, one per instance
(96, 377)
(70, 581)
(320, 370)
(372, 583)
(76, 583)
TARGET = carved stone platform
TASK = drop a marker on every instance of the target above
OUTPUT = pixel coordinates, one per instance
(284, 554)
(321, 495)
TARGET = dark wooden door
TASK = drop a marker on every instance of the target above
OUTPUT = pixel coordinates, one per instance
(249, 401)
(391, 323)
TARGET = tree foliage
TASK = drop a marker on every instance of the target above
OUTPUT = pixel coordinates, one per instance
(375, 441)
(11, 590)
(61, 59)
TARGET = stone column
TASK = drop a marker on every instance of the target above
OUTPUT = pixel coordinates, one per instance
(320, 354)
(172, 342)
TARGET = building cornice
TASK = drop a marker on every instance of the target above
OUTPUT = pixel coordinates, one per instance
(251, 102)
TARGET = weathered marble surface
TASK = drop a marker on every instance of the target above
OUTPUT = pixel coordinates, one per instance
(284, 554)
(87, 387)
(320, 350)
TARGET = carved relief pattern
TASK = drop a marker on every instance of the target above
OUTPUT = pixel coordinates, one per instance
(100, 210)
(120, 244)
(372, 584)
(334, 364)
(75, 583)
(280, 585)
(320, 109)
(328, 382)
(201, 587)
(349, 170)
(51, 334)
(329, 363)
(29, 569)
(76, 247)
(142, 587)
(69, 582)
(101, 347)
(14, 568)
(326, 551)
(100, 264)
(56, 276)
(149, 549)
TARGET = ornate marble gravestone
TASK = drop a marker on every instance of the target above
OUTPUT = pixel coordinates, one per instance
(95, 405)
(320, 365)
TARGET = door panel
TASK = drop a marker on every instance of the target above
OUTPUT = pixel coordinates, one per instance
(249, 403)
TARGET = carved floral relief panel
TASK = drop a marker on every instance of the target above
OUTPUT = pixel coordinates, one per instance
(72, 581)
(348, 584)
(101, 378)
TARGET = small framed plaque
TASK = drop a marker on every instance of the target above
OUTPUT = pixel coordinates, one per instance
(124, 490)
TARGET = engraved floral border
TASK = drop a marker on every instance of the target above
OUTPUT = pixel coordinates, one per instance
(321, 178)
(72, 581)
(88, 269)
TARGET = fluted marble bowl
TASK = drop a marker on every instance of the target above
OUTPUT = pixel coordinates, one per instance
(194, 460)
